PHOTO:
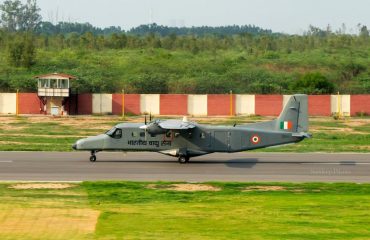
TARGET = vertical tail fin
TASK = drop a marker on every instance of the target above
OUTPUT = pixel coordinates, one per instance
(294, 117)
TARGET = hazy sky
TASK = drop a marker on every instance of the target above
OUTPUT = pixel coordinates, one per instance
(289, 16)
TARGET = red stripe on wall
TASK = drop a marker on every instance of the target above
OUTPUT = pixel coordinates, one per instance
(360, 104)
(268, 105)
(319, 105)
(173, 104)
(84, 104)
(132, 104)
(219, 104)
(29, 103)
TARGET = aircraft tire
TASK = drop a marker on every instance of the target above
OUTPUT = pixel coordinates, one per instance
(93, 158)
(183, 159)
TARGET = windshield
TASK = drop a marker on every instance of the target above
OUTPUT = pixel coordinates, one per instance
(110, 132)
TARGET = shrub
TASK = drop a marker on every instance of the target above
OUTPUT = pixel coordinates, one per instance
(313, 83)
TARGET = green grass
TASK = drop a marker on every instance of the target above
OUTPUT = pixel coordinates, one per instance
(131, 210)
(323, 142)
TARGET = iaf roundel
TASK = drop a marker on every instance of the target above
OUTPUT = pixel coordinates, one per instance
(255, 139)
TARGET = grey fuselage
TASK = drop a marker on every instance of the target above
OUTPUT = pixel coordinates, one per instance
(200, 140)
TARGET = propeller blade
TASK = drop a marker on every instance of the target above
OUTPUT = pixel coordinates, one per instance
(145, 119)
(150, 117)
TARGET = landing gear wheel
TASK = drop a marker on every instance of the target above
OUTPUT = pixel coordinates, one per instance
(183, 159)
(93, 158)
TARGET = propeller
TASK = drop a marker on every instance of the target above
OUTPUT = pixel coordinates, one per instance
(145, 127)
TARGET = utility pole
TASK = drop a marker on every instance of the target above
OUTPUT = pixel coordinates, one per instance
(17, 103)
(231, 103)
(123, 103)
(339, 106)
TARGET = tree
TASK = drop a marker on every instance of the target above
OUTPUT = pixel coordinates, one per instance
(31, 16)
(21, 51)
(313, 83)
(364, 33)
(16, 16)
(12, 14)
(15, 52)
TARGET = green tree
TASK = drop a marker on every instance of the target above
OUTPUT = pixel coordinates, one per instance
(21, 51)
(149, 83)
(313, 83)
(16, 16)
(364, 33)
(12, 14)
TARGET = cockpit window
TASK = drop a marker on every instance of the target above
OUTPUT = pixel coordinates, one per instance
(118, 133)
(115, 133)
(111, 131)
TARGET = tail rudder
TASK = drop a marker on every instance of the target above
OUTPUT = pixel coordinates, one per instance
(294, 117)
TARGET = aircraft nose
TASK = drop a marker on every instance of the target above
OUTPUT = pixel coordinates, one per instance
(74, 146)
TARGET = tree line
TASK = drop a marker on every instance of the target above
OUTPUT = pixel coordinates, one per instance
(319, 61)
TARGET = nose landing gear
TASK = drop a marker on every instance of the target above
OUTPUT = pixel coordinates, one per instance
(93, 156)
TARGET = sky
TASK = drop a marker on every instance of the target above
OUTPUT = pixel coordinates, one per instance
(287, 16)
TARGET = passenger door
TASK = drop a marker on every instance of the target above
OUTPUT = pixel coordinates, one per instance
(221, 141)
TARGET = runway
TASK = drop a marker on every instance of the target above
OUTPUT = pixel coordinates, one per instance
(75, 166)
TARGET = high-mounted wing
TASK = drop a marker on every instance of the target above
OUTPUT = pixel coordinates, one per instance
(175, 125)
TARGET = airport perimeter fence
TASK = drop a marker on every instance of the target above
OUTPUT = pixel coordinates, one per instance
(183, 104)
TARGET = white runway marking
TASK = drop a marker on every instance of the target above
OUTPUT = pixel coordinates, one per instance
(9, 161)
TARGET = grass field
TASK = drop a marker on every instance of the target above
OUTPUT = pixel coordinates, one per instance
(58, 134)
(132, 210)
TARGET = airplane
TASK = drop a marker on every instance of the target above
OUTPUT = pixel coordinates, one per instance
(185, 139)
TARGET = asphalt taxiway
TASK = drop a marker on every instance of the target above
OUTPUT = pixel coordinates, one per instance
(143, 166)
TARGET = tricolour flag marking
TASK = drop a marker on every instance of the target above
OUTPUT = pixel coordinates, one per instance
(286, 125)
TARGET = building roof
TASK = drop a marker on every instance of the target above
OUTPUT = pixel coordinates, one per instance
(56, 75)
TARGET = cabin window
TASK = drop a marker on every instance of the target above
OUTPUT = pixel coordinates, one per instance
(135, 134)
(142, 134)
(202, 135)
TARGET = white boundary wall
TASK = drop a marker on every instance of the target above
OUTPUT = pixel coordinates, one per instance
(8, 103)
(197, 105)
(102, 103)
(344, 104)
(245, 104)
(149, 103)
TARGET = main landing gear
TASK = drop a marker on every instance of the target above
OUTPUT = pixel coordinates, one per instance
(183, 159)
(93, 156)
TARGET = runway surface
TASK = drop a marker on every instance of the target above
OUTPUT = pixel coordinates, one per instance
(75, 166)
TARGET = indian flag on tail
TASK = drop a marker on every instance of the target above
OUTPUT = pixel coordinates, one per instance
(286, 125)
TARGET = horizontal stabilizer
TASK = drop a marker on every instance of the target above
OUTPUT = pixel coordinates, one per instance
(302, 135)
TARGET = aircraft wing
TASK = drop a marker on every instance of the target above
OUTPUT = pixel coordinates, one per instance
(175, 125)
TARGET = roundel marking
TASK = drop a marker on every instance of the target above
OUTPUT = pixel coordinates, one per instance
(255, 139)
